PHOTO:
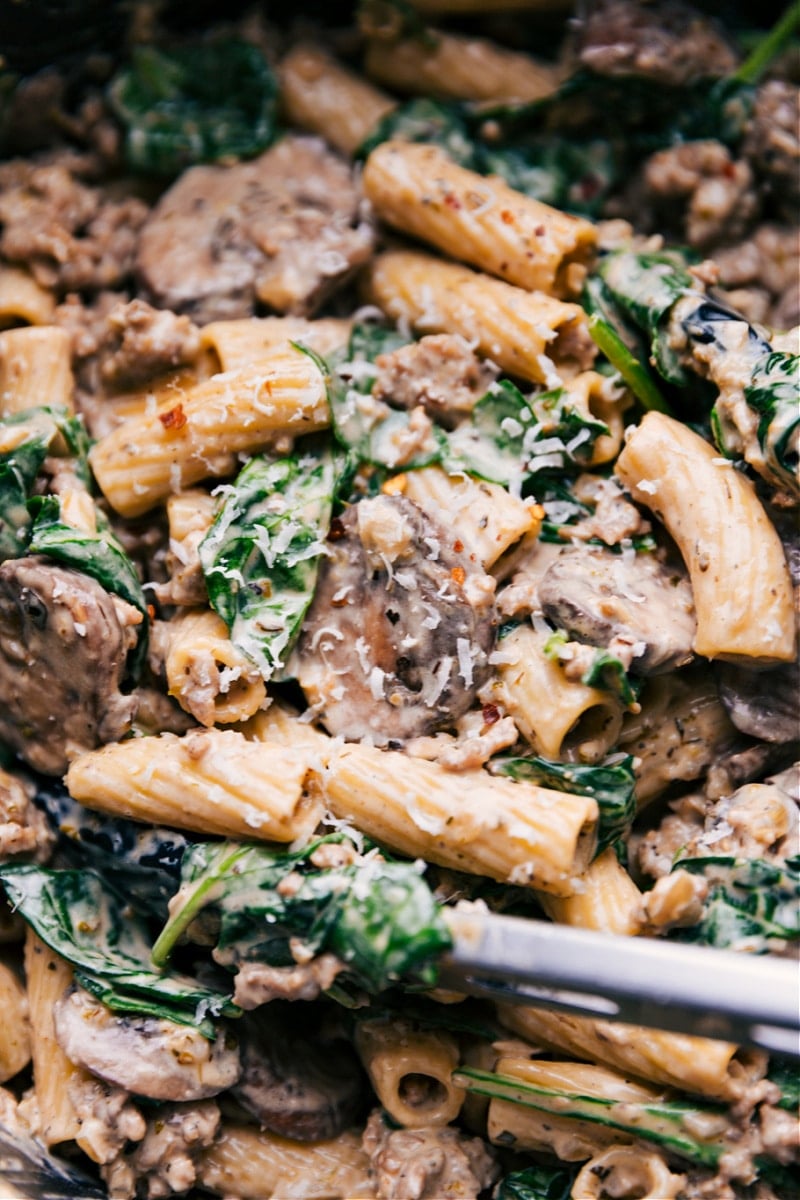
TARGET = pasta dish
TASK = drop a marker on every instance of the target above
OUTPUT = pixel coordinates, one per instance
(398, 516)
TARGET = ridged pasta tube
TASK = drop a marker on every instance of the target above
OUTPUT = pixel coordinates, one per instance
(48, 978)
(209, 781)
(458, 68)
(22, 299)
(740, 581)
(206, 673)
(255, 1164)
(410, 1070)
(321, 95)
(35, 368)
(675, 1059)
(243, 343)
(560, 717)
(484, 516)
(479, 219)
(513, 832)
(572, 1139)
(528, 334)
(157, 453)
(609, 900)
(642, 1173)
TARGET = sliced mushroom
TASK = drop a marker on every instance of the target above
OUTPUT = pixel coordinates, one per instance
(283, 229)
(397, 640)
(295, 1084)
(148, 1056)
(597, 595)
(63, 645)
(762, 703)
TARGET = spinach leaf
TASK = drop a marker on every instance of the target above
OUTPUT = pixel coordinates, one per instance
(137, 860)
(260, 556)
(434, 122)
(604, 671)
(198, 102)
(378, 917)
(98, 555)
(26, 439)
(611, 783)
(537, 1183)
(774, 393)
(751, 902)
(80, 916)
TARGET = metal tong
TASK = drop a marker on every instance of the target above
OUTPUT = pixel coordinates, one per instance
(742, 998)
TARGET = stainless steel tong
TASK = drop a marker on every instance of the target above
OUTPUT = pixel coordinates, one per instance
(747, 999)
(740, 998)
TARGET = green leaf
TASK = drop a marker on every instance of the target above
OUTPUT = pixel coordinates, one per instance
(611, 783)
(667, 1123)
(632, 370)
(79, 916)
(98, 555)
(751, 902)
(537, 1183)
(608, 672)
(198, 102)
(774, 393)
(379, 917)
(434, 122)
(31, 435)
(261, 555)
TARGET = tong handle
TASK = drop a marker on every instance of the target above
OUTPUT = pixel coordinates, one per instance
(742, 998)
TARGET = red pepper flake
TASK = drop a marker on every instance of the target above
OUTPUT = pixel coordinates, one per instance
(490, 714)
(458, 545)
(539, 231)
(452, 201)
(151, 612)
(507, 217)
(174, 418)
(458, 574)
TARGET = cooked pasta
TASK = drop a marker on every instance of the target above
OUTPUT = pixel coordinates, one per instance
(398, 492)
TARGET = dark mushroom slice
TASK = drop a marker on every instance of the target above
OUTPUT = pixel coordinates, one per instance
(396, 643)
(283, 230)
(294, 1083)
(149, 1056)
(597, 595)
(763, 704)
(64, 641)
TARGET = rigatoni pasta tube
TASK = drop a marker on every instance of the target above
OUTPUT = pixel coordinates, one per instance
(526, 1128)
(321, 95)
(48, 978)
(484, 516)
(255, 1164)
(479, 219)
(561, 718)
(22, 300)
(458, 68)
(210, 677)
(410, 1070)
(35, 368)
(608, 899)
(156, 453)
(239, 344)
(639, 1172)
(740, 581)
(675, 1059)
(526, 333)
(15, 1041)
(209, 781)
(512, 832)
